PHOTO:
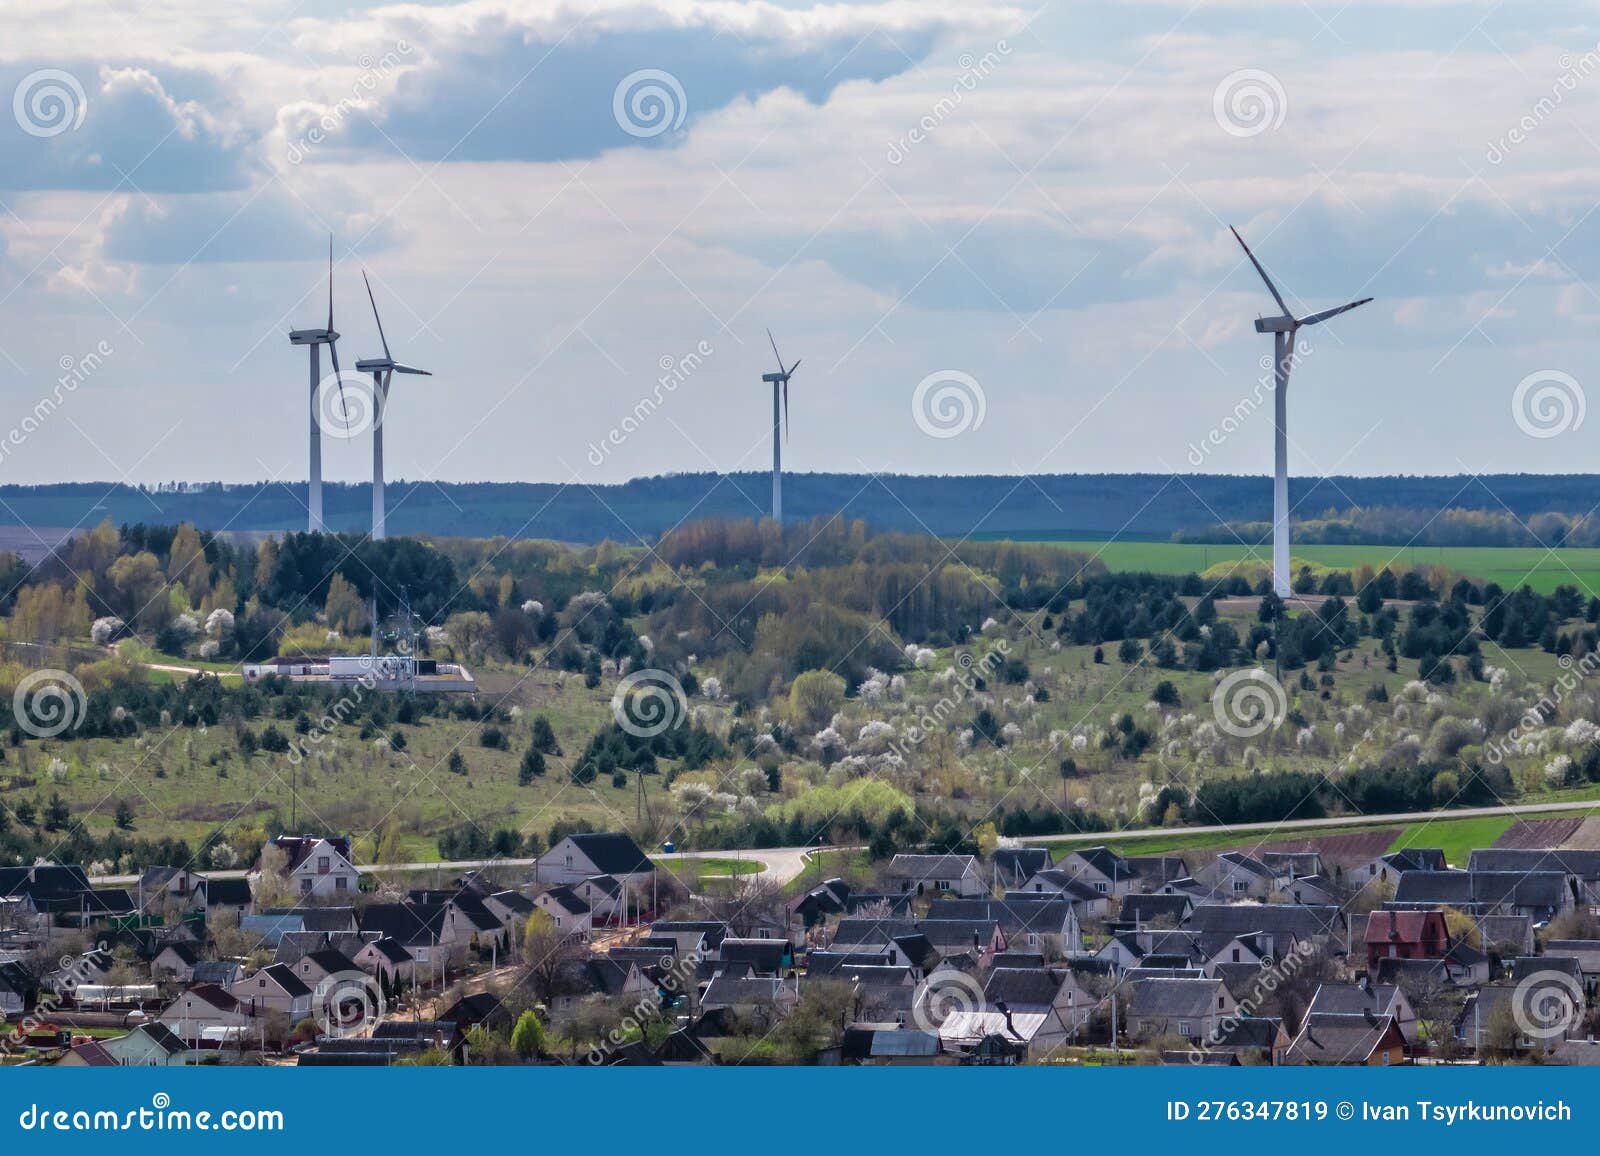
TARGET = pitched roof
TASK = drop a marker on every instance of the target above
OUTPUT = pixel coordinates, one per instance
(45, 880)
(1303, 921)
(873, 931)
(161, 1036)
(1404, 927)
(1148, 908)
(1019, 862)
(1174, 997)
(1022, 988)
(94, 1054)
(1158, 868)
(1105, 861)
(216, 971)
(1354, 998)
(612, 852)
(218, 997)
(298, 848)
(830, 962)
(1581, 863)
(227, 892)
(932, 866)
(392, 950)
(1333, 1038)
(283, 975)
(1538, 889)
(761, 954)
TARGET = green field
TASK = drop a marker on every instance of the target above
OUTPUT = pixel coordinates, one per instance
(1456, 837)
(1511, 567)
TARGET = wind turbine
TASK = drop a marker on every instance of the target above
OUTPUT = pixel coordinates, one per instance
(382, 369)
(780, 422)
(1283, 328)
(316, 339)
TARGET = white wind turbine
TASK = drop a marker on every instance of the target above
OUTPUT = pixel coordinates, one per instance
(780, 424)
(316, 339)
(1283, 328)
(382, 369)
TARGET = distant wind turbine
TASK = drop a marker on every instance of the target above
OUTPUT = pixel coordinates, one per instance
(316, 339)
(382, 369)
(1283, 328)
(780, 424)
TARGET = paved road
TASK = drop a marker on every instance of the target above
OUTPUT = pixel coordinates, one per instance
(1293, 826)
(779, 864)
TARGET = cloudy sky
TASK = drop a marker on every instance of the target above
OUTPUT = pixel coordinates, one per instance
(995, 234)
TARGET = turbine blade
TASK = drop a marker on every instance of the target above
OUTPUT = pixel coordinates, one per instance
(375, 316)
(1317, 318)
(786, 408)
(792, 368)
(1273, 289)
(333, 351)
(775, 352)
(330, 282)
(399, 368)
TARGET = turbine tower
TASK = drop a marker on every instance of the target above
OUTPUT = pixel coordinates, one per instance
(780, 425)
(382, 369)
(316, 339)
(1283, 328)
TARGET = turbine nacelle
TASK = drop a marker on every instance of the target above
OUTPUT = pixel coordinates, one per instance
(312, 336)
(388, 365)
(775, 378)
(1276, 325)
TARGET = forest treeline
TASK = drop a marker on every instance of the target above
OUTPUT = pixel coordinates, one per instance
(1148, 506)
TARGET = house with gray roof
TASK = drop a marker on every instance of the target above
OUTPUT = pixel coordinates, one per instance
(955, 874)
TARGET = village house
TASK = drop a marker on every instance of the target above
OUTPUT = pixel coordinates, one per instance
(317, 868)
(1358, 1039)
(1405, 935)
(580, 857)
(1191, 1008)
(955, 874)
(1361, 998)
(568, 912)
(1099, 868)
(274, 989)
(1012, 867)
(387, 959)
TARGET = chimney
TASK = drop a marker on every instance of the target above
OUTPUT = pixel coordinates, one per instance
(1000, 1006)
